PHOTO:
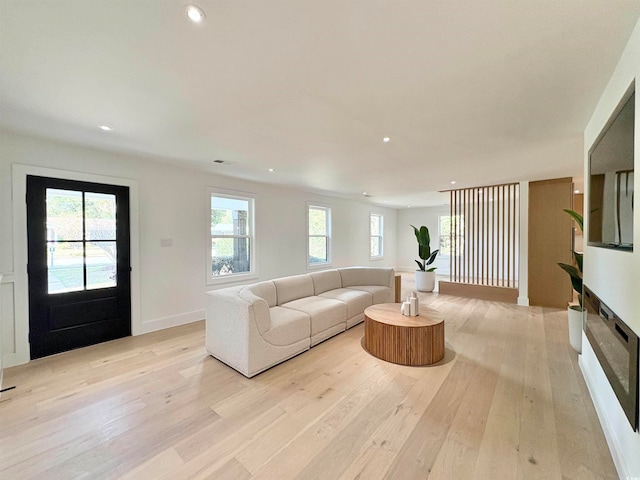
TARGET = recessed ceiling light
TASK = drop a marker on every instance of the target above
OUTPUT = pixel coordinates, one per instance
(195, 14)
(386, 139)
(105, 128)
(453, 182)
(272, 169)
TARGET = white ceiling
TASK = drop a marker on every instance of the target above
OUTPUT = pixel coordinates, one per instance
(480, 92)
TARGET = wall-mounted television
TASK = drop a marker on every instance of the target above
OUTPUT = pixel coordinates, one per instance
(611, 161)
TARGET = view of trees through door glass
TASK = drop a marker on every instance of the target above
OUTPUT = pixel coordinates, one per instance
(81, 240)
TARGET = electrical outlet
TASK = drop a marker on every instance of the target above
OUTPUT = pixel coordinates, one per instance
(166, 242)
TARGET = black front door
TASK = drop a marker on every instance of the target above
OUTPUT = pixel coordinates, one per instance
(79, 264)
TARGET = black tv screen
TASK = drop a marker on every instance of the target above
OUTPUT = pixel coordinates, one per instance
(611, 161)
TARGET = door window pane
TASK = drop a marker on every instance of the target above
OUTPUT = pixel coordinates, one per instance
(65, 272)
(101, 265)
(100, 216)
(64, 214)
(73, 219)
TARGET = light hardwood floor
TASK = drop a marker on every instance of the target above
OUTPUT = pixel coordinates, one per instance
(507, 402)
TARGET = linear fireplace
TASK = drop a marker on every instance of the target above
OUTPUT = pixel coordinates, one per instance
(616, 347)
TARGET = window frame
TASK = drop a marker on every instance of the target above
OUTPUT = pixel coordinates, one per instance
(327, 209)
(240, 276)
(380, 237)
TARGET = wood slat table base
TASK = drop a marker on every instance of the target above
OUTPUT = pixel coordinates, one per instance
(396, 338)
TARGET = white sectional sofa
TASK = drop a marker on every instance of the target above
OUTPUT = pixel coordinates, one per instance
(254, 327)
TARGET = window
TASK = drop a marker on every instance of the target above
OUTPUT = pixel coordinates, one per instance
(447, 225)
(232, 237)
(376, 231)
(319, 228)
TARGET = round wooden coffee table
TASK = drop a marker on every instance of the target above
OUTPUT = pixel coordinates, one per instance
(401, 339)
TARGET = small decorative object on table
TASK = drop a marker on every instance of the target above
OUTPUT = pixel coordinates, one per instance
(411, 307)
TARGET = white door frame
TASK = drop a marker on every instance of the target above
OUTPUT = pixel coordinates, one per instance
(20, 253)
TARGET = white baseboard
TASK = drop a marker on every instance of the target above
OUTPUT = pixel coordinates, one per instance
(523, 301)
(172, 321)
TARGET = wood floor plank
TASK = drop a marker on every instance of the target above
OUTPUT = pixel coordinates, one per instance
(458, 456)
(156, 466)
(377, 455)
(333, 460)
(233, 469)
(507, 402)
(291, 460)
(579, 459)
(216, 447)
(501, 439)
(538, 454)
(421, 449)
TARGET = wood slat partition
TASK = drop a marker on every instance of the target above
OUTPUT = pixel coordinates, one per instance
(484, 235)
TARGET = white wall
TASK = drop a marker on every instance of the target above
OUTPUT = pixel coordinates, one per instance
(1, 367)
(407, 251)
(614, 275)
(172, 203)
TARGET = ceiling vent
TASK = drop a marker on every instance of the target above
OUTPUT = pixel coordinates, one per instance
(223, 162)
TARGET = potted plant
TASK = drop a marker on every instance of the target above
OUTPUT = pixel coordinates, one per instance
(575, 313)
(425, 277)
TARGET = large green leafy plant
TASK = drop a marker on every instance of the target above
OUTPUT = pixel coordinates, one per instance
(424, 249)
(575, 271)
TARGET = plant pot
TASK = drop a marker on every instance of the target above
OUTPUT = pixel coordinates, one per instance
(576, 322)
(425, 281)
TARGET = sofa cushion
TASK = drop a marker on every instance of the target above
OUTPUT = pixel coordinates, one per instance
(380, 294)
(356, 276)
(288, 326)
(265, 290)
(293, 288)
(326, 280)
(324, 312)
(356, 300)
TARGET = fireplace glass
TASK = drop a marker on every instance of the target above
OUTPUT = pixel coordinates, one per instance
(616, 347)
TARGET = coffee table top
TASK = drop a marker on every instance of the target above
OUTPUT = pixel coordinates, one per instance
(389, 313)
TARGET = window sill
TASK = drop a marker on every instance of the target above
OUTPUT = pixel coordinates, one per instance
(319, 266)
(228, 279)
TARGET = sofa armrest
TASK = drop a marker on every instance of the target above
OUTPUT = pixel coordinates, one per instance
(260, 308)
(227, 328)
